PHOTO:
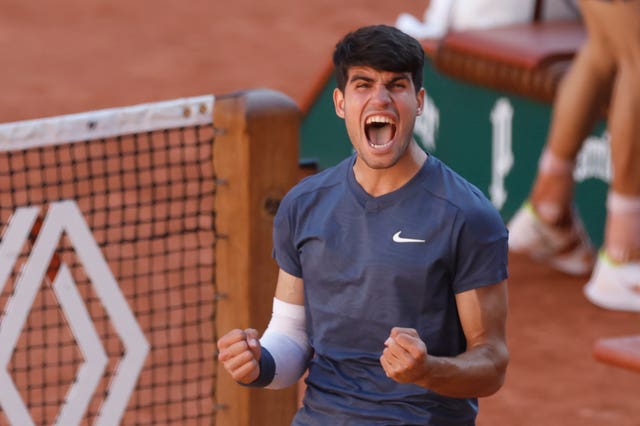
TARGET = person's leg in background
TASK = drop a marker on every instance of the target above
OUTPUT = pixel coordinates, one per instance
(580, 101)
(615, 283)
(606, 71)
(547, 227)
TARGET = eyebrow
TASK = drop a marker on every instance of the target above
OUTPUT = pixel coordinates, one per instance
(357, 77)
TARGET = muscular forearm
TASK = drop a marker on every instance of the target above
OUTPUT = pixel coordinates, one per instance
(478, 372)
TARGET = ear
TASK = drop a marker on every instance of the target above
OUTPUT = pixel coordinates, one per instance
(338, 102)
(420, 100)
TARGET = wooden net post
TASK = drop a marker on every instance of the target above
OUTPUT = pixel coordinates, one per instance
(256, 162)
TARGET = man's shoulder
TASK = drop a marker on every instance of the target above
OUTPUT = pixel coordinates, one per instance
(469, 202)
(444, 182)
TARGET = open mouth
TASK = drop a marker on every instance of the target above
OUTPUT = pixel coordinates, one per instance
(380, 131)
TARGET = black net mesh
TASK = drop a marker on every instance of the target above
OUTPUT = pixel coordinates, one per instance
(148, 201)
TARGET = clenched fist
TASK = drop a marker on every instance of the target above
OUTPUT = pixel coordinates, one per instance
(404, 358)
(239, 352)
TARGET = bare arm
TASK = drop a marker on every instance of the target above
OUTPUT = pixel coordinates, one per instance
(289, 288)
(479, 371)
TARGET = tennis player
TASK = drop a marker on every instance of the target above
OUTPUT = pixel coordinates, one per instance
(392, 285)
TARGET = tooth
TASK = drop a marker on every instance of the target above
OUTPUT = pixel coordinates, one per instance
(379, 119)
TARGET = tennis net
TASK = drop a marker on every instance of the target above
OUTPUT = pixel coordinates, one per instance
(107, 288)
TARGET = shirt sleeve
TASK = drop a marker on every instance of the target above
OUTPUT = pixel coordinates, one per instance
(481, 249)
(285, 250)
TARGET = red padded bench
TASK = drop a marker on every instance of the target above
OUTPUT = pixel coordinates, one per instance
(524, 59)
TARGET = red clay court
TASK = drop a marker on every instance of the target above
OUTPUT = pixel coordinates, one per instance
(78, 55)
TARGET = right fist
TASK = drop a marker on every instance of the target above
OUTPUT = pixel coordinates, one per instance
(239, 352)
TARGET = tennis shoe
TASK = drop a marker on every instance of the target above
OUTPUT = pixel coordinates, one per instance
(614, 286)
(566, 249)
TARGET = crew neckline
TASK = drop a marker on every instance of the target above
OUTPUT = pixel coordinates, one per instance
(372, 203)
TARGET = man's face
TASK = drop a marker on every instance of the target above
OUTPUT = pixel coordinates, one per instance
(379, 109)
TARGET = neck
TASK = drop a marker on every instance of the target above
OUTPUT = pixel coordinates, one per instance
(377, 182)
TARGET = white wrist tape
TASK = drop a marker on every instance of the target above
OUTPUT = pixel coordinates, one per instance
(619, 203)
(552, 164)
(286, 340)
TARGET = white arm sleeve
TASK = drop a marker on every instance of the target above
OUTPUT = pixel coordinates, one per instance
(286, 340)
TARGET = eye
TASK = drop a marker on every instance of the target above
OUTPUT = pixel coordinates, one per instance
(399, 85)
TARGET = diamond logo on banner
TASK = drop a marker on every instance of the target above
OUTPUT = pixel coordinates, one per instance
(65, 216)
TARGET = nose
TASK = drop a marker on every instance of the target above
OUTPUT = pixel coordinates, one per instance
(381, 94)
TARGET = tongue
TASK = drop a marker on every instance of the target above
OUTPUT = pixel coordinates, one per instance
(380, 135)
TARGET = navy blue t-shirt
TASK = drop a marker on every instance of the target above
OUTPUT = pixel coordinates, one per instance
(372, 263)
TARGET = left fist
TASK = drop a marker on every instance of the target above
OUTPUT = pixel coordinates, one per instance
(404, 358)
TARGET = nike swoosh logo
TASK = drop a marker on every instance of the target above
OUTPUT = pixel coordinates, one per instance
(398, 239)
